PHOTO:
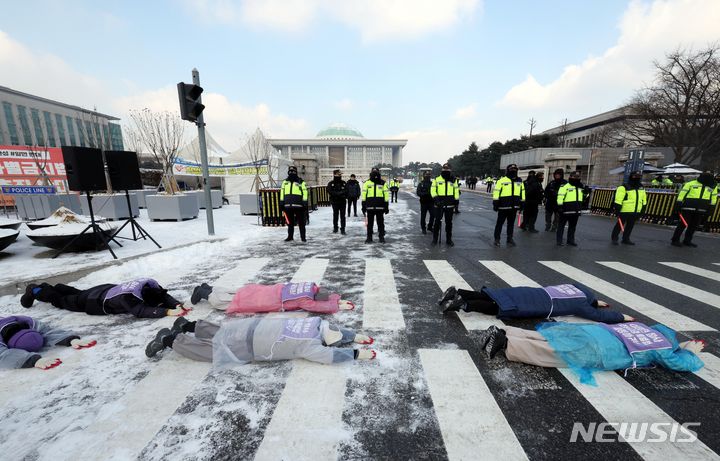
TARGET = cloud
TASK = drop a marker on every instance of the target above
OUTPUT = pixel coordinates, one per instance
(465, 112)
(376, 20)
(344, 104)
(647, 32)
(438, 145)
(228, 121)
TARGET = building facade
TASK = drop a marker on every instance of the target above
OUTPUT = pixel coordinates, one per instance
(601, 130)
(339, 147)
(28, 120)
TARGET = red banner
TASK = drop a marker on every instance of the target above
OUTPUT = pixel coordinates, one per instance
(32, 166)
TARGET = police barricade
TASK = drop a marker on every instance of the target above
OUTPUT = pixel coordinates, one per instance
(322, 195)
(659, 209)
(269, 204)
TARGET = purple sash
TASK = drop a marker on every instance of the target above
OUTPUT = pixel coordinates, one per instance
(565, 291)
(299, 290)
(307, 328)
(133, 287)
(638, 337)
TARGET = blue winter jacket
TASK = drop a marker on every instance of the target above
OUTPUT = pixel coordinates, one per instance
(589, 347)
(527, 302)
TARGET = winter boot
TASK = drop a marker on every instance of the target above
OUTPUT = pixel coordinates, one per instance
(27, 299)
(335, 230)
(201, 291)
(511, 243)
(382, 238)
(163, 339)
(454, 305)
(289, 239)
(182, 325)
(369, 240)
(497, 243)
(496, 341)
(447, 295)
(342, 231)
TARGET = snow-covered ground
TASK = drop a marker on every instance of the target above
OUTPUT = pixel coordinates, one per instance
(24, 260)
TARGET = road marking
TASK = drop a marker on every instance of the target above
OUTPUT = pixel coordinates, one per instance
(446, 276)
(712, 275)
(311, 270)
(711, 371)
(307, 421)
(618, 401)
(381, 306)
(653, 310)
(471, 422)
(146, 408)
(664, 282)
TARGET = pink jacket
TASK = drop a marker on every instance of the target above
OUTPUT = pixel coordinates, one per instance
(267, 298)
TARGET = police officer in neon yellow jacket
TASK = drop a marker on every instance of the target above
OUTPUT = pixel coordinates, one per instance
(374, 201)
(694, 200)
(508, 198)
(446, 195)
(570, 203)
(294, 202)
(394, 187)
(630, 201)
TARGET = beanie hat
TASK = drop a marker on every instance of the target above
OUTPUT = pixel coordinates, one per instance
(292, 169)
(446, 167)
(559, 171)
(28, 340)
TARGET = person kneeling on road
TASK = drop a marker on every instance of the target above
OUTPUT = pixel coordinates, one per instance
(143, 298)
(21, 338)
(290, 296)
(528, 302)
(586, 348)
(260, 339)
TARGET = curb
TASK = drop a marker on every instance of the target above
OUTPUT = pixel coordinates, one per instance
(18, 287)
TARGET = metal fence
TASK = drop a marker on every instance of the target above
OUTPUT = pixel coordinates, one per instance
(269, 204)
(659, 209)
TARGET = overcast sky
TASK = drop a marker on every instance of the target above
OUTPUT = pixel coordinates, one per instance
(440, 73)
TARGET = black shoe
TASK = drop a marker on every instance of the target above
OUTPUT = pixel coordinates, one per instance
(614, 241)
(675, 243)
(560, 244)
(27, 299)
(572, 244)
(511, 243)
(547, 228)
(454, 305)
(355, 216)
(180, 325)
(690, 244)
(342, 232)
(496, 342)
(289, 239)
(303, 239)
(424, 232)
(163, 339)
(368, 240)
(497, 243)
(200, 292)
(628, 242)
(382, 239)
(450, 243)
(447, 295)
(430, 228)
(434, 241)
(533, 231)
(335, 231)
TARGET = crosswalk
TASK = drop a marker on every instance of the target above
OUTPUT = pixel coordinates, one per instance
(466, 411)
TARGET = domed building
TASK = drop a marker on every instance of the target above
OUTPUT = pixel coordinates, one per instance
(339, 146)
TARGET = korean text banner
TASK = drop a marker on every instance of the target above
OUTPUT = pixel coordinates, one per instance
(30, 166)
(184, 167)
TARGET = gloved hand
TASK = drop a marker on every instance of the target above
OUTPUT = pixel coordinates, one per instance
(495, 205)
(677, 208)
(387, 209)
(46, 363)
(82, 343)
(362, 207)
(179, 311)
(522, 206)
(282, 206)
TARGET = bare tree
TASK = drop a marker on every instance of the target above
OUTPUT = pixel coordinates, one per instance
(609, 135)
(532, 122)
(681, 108)
(161, 134)
(562, 134)
(258, 150)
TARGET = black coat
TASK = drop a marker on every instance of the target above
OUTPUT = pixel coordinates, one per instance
(353, 189)
(337, 188)
(95, 304)
(533, 192)
(551, 193)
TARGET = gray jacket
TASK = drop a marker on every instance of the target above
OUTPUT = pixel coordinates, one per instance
(19, 358)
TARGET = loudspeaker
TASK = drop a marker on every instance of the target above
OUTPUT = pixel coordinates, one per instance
(84, 168)
(123, 169)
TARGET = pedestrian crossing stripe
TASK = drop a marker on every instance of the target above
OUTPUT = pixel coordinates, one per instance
(712, 275)
(381, 306)
(664, 282)
(672, 319)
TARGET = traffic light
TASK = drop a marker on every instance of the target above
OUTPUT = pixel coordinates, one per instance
(190, 105)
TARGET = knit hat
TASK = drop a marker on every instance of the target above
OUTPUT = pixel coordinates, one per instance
(27, 339)
(292, 169)
(446, 167)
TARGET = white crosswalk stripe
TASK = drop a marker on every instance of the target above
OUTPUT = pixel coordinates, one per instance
(653, 310)
(381, 306)
(445, 276)
(141, 423)
(712, 275)
(711, 371)
(471, 421)
(664, 282)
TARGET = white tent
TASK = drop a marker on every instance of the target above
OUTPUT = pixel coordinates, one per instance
(191, 152)
(679, 168)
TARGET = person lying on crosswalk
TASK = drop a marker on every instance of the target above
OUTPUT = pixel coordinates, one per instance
(528, 302)
(589, 347)
(22, 337)
(252, 298)
(239, 341)
(143, 298)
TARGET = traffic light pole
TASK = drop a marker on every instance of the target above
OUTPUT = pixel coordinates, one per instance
(204, 160)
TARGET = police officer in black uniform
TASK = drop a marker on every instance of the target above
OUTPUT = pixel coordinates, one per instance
(337, 189)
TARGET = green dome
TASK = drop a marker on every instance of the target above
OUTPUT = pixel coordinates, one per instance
(339, 131)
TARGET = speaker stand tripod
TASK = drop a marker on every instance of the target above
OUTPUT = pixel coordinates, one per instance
(102, 240)
(141, 233)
